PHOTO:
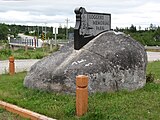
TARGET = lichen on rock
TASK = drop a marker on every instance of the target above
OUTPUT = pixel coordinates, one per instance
(112, 62)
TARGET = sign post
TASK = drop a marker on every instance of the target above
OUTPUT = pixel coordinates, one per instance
(55, 32)
(89, 25)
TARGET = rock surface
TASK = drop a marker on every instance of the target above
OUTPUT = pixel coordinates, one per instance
(112, 62)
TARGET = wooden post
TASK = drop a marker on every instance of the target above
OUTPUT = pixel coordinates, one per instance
(26, 48)
(11, 66)
(81, 95)
(35, 43)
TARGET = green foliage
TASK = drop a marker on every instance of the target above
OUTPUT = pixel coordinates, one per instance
(26, 32)
(4, 30)
(51, 104)
(141, 104)
(39, 55)
(145, 37)
(5, 54)
(133, 28)
(157, 34)
(32, 31)
(55, 48)
(153, 68)
(29, 54)
(149, 37)
(5, 115)
(61, 36)
(150, 77)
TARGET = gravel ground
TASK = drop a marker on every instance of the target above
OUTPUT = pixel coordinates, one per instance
(24, 65)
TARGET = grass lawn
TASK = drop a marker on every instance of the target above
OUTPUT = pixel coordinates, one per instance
(142, 104)
(154, 68)
(38, 53)
(5, 115)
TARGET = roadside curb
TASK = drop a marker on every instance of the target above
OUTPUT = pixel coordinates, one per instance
(23, 112)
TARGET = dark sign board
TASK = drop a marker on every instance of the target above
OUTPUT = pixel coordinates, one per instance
(88, 25)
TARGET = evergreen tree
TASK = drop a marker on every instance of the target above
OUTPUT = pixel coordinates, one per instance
(4, 30)
(132, 28)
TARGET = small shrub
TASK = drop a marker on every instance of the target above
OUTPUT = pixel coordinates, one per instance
(24, 55)
(150, 77)
(54, 49)
(70, 109)
(6, 52)
(38, 55)
(96, 115)
(27, 54)
(19, 51)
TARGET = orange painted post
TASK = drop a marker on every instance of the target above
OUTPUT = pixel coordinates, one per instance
(81, 95)
(23, 112)
(11, 66)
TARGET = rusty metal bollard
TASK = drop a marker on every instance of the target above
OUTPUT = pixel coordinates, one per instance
(11, 65)
(81, 95)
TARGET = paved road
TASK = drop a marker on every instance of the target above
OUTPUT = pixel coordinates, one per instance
(1, 47)
(20, 65)
(153, 56)
(24, 65)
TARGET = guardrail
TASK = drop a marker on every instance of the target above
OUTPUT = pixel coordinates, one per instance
(34, 43)
(29, 42)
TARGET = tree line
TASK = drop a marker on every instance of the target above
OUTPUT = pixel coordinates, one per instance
(150, 36)
(14, 29)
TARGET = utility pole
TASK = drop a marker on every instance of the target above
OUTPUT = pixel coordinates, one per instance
(42, 28)
(38, 33)
(55, 36)
(67, 20)
(42, 39)
(28, 28)
(45, 31)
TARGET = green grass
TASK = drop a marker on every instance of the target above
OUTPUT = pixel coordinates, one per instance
(29, 54)
(154, 68)
(142, 104)
(50, 104)
(5, 115)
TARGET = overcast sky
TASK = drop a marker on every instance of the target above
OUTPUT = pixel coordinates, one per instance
(55, 12)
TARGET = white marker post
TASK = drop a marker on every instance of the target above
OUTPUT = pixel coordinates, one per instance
(55, 32)
(55, 37)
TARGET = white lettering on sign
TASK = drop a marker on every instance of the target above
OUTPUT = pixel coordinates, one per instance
(95, 16)
(93, 24)
(100, 23)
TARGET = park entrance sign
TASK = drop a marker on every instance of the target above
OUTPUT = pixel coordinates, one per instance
(88, 25)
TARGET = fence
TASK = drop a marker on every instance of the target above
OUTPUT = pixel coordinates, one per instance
(33, 42)
(26, 41)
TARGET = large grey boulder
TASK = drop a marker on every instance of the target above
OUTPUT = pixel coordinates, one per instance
(112, 62)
